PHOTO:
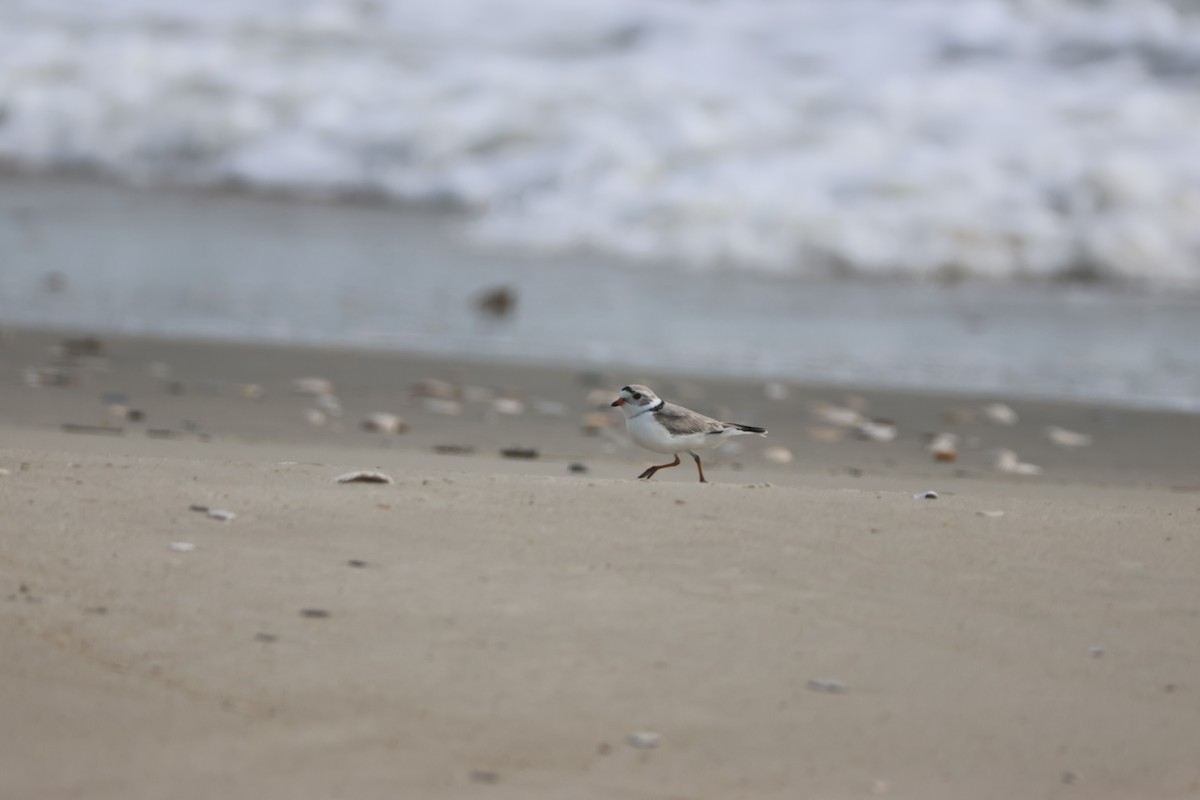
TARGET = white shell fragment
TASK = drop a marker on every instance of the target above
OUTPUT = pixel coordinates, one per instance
(644, 740)
(930, 495)
(220, 514)
(944, 447)
(181, 547)
(1007, 461)
(1065, 438)
(508, 405)
(878, 430)
(1000, 414)
(364, 476)
(312, 386)
(991, 514)
(382, 422)
(778, 455)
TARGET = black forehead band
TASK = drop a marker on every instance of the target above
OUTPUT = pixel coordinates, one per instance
(626, 389)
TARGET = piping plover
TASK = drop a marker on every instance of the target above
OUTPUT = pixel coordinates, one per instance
(667, 428)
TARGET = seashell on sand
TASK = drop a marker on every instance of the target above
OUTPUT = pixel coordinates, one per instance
(644, 740)
(508, 405)
(943, 447)
(181, 547)
(1006, 460)
(220, 514)
(1000, 414)
(1065, 438)
(878, 430)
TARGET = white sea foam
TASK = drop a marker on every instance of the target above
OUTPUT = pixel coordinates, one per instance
(999, 138)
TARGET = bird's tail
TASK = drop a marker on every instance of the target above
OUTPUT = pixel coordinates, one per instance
(748, 429)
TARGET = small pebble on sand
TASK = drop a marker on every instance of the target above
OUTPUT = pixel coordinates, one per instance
(484, 776)
(181, 547)
(827, 686)
(220, 514)
(364, 476)
(930, 495)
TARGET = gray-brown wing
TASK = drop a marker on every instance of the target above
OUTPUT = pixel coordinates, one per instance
(681, 421)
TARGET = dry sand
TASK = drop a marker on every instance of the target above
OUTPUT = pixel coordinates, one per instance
(499, 628)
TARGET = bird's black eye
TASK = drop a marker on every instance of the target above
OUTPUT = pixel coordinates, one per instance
(637, 395)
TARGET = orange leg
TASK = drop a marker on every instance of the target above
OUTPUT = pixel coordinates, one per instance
(699, 468)
(648, 474)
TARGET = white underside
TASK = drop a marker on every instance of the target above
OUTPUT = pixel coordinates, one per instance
(647, 432)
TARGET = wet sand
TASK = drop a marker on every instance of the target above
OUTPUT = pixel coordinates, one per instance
(489, 626)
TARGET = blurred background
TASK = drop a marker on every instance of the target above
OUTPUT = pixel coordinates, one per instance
(986, 195)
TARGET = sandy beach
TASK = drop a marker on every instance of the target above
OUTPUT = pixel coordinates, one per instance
(489, 626)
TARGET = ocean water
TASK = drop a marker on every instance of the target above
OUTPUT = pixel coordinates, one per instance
(1000, 139)
(97, 257)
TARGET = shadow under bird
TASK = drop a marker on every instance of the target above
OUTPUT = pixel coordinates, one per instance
(667, 428)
